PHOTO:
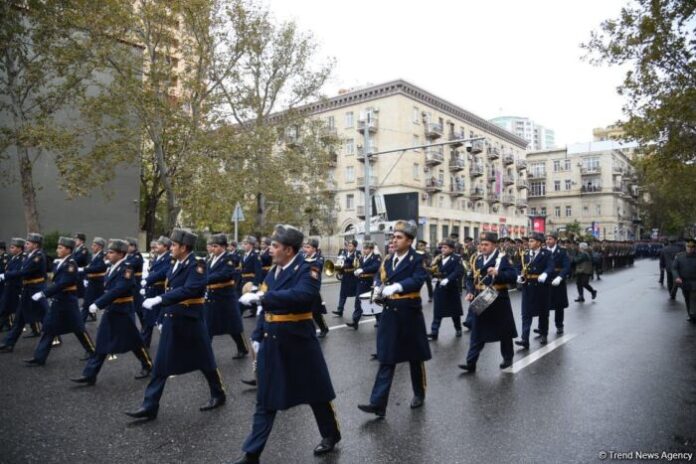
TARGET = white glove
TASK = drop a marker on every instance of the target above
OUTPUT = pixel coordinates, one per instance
(2, 277)
(143, 283)
(435, 281)
(389, 290)
(444, 282)
(255, 346)
(37, 296)
(254, 288)
(557, 281)
(159, 327)
(93, 308)
(520, 280)
(80, 269)
(151, 302)
(249, 299)
(85, 283)
(358, 272)
(542, 277)
(142, 291)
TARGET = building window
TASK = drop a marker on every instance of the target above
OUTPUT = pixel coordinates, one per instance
(537, 189)
(598, 209)
(415, 115)
(533, 212)
(590, 164)
(557, 211)
(350, 202)
(416, 171)
(568, 184)
(556, 185)
(538, 169)
(433, 235)
(350, 146)
(543, 211)
(441, 201)
(445, 231)
(331, 122)
(455, 230)
(569, 211)
(349, 119)
(350, 174)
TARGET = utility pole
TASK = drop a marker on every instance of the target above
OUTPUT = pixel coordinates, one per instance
(366, 152)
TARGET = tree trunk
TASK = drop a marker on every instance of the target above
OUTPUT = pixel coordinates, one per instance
(31, 214)
(260, 213)
(172, 207)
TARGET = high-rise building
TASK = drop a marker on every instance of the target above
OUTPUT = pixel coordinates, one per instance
(592, 183)
(446, 189)
(538, 136)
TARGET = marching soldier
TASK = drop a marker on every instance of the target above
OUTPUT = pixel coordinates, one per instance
(94, 274)
(448, 298)
(13, 285)
(4, 261)
(222, 314)
(64, 314)
(667, 256)
(684, 270)
(135, 260)
(82, 257)
(251, 268)
(154, 284)
(117, 331)
(184, 345)
(349, 283)
(421, 249)
(316, 262)
(535, 268)
(365, 275)
(265, 257)
(33, 275)
(290, 365)
(496, 322)
(559, 292)
(401, 336)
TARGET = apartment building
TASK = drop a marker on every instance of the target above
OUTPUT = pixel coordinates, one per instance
(592, 183)
(538, 136)
(449, 189)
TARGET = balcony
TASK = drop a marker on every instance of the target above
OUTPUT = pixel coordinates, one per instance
(361, 154)
(617, 171)
(521, 203)
(476, 193)
(590, 171)
(493, 153)
(434, 156)
(493, 198)
(328, 133)
(457, 189)
(508, 200)
(522, 184)
(589, 189)
(333, 158)
(537, 175)
(433, 130)
(508, 159)
(508, 180)
(475, 147)
(433, 185)
(532, 194)
(361, 183)
(457, 164)
(521, 165)
(475, 170)
(456, 136)
(293, 140)
(371, 126)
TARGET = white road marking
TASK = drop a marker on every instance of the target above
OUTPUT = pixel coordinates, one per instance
(538, 354)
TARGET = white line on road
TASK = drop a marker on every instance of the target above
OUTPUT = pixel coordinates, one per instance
(538, 354)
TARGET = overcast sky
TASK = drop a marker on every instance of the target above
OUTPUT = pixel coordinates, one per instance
(491, 57)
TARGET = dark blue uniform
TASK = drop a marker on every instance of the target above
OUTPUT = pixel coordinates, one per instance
(316, 264)
(156, 281)
(117, 331)
(251, 269)
(369, 265)
(94, 274)
(4, 261)
(13, 288)
(559, 295)
(496, 323)
(222, 314)
(291, 368)
(266, 262)
(33, 277)
(401, 336)
(535, 295)
(349, 283)
(135, 261)
(448, 298)
(82, 257)
(184, 345)
(64, 314)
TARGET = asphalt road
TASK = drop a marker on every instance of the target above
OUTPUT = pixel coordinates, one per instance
(621, 379)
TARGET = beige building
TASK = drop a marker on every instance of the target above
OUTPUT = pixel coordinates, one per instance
(453, 190)
(591, 183)
(611, 132)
